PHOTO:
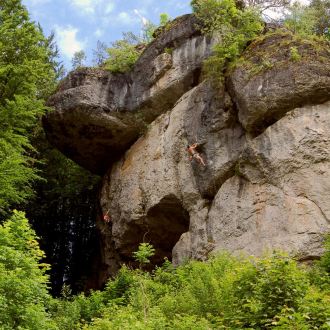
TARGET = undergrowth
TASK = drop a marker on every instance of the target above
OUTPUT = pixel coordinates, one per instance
(225, 292)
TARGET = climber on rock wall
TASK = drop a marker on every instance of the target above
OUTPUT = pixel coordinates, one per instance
(194, 154)
(106, 217)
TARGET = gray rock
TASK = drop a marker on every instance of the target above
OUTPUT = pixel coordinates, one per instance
(283, 199)
(155, 193)
(255, 217)
(271, 82)
(97, 115)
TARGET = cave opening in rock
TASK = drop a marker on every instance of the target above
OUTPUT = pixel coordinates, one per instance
(167, 221)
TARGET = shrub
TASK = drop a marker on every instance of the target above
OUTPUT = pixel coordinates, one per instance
(232, 27)
(295, 56)
(121, 57)
(225, 292)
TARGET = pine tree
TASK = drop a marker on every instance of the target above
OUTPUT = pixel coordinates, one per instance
(25, 70)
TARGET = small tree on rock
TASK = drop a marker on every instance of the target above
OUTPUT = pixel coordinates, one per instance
(78, 60)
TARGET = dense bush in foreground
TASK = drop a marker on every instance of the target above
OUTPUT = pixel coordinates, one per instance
(225, 292)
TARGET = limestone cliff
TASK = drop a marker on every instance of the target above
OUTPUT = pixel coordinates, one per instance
(264, 139)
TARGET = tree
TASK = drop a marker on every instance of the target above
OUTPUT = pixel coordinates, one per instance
(149, 30)
(23, 282)
(26, 70)
(78, 60)
(262, 6)
(63, 213)
(232, 27)
(122, 53)
(100, 54)
(164, 18)
(322, 10)
(301, 19)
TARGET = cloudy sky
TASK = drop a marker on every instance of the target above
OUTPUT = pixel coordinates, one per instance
(79, 24)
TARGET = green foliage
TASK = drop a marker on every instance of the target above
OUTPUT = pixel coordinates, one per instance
(148, 31)
(227, 292)
(295, 56)
(23, 283)
(168, 50)
(141, 121)
(322, 8)
(78, 60)
(121, 57)
(324, 263)
(164, 18)
(64, 204)
(237, 169)
(144, 253)
(232, 27)
(72, 312)
(27, 74)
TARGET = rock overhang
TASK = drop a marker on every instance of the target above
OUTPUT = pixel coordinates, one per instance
(97, 115)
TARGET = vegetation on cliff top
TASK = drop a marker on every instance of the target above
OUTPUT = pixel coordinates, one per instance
(235, 26)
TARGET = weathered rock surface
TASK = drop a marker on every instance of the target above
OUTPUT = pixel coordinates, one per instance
(97, 115)
(272, 81)
(279, 200)
(283, 199)
(154, 192)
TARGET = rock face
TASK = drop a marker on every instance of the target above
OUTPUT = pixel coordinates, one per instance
(264, 138)
(154, 192)
(280, 72)
(98, 115)
(281, 199)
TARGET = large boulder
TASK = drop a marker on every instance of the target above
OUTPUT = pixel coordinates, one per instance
(97, 115)
(280, 72)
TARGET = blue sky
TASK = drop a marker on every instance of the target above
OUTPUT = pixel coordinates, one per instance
(78, 24)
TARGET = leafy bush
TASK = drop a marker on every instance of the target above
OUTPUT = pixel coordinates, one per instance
(325, 261)
(232, 27)
(295, 56)
(227, 292)
(121, 57)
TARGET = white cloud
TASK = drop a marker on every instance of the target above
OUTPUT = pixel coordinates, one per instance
(82, 3)
(182, 5)
(67, 40)
(121, 19)
(98, 33)
(89, 8)
(145, 2)
(124, 17)
(109, 8)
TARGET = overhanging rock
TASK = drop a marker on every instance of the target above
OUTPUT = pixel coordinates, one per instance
(98, 115)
